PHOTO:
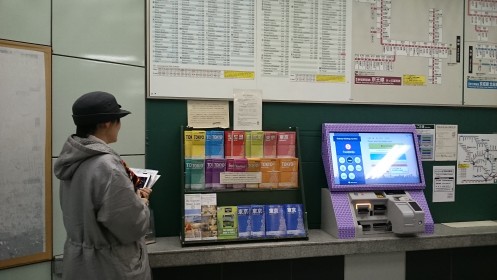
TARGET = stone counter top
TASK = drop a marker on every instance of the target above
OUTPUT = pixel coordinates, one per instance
(167, 251)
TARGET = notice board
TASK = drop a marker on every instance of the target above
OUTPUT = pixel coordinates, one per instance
(25, 167)
(411, 52)
(480, 69)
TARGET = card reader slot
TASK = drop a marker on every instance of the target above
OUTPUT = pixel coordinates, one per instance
(415, 206)
(382, 226)
(379, 226)
(394, 192)
(379, 209)
(363, 208)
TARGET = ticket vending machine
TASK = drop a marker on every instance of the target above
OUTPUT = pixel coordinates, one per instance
(375, 181)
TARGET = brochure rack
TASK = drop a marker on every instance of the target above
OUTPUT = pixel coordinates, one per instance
(244, 196)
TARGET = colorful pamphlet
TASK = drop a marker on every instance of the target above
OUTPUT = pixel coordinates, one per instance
(286, 144)
(209, 216)
(257, 144)
(188, 144)
(188, 174)
(288, 175)
(248, 141)
(294, 220)
(275, 220)
(253, 165)
(197, 174)
(198, 144)
(270, 144)
(214, 144)
(193, 217)
(258, 220)
(236, 165)
(227, 222)
(269, 173)
(244, 221)
(213, 169)
(234, 144)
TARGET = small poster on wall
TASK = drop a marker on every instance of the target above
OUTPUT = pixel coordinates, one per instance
(247, 107)
(444, 183)
(208, 114)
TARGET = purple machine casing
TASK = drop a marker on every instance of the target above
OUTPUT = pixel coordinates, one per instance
(339, 193)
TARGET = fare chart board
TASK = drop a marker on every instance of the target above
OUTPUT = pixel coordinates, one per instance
(292, 50)
(363, 51)
(480, 71)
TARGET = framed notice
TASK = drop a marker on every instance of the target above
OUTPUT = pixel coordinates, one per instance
(25, 166)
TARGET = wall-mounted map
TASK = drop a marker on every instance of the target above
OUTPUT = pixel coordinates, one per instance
(477, 159)
(407, 51)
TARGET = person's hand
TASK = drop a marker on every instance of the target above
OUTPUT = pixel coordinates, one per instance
(144, 194)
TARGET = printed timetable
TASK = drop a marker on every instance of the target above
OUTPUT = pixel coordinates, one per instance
(208, 48)
(205, 39)
(304, 41)
(361, 51)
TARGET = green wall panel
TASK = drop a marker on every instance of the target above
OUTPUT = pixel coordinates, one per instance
(165, 117)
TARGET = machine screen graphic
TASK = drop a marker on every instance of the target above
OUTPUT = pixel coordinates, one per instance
(374, 158)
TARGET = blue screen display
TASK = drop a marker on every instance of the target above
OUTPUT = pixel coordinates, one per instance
(374, 158)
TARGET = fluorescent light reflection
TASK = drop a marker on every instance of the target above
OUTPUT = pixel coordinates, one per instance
(113, 58)
(387, 161)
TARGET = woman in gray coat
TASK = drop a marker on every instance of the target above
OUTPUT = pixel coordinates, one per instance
(105, 218)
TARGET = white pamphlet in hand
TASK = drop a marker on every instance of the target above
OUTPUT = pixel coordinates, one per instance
(148, 176)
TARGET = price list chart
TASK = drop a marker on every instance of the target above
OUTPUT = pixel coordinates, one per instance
(292, 50)
(202, 39)
(303, 49)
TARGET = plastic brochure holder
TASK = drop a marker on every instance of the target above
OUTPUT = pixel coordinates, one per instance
(245, 196)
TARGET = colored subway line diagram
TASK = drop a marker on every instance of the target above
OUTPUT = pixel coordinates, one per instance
(433, 48)
(477, 159)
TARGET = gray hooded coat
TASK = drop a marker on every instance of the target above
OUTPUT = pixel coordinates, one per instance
(104, 218)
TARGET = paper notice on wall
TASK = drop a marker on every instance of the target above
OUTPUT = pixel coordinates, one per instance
(445, 142)
(444, 183)
(208, 114)
(247, 108)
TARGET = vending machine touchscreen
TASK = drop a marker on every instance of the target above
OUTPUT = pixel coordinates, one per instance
(375, 181)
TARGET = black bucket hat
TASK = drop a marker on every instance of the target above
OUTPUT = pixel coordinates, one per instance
(96, 107)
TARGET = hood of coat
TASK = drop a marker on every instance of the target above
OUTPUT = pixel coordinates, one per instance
(75, 151)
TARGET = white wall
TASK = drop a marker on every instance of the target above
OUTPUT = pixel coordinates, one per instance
(97, 45)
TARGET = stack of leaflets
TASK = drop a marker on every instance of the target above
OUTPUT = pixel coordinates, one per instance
(148, 176)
